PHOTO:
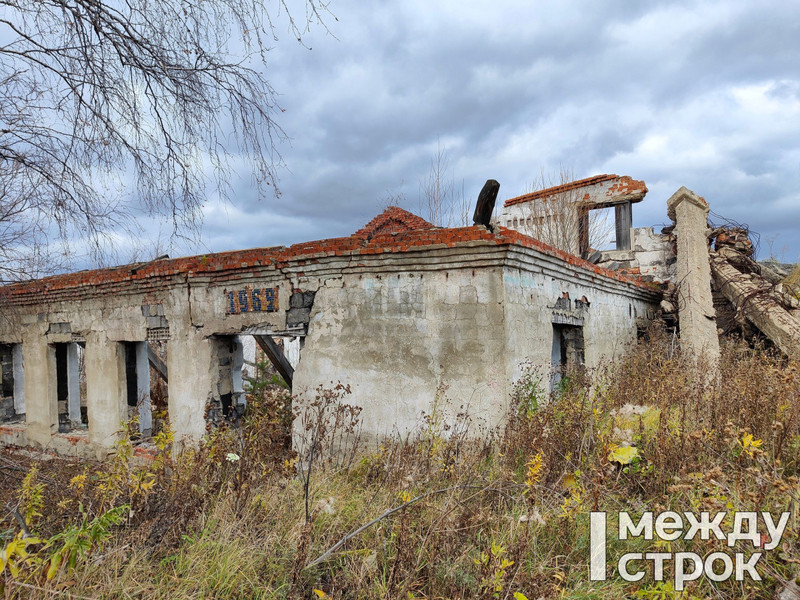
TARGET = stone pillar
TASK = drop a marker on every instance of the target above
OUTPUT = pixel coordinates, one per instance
(41, 390)
(19, 379)
(190, 367)
(106, 392)
(143, 388)
(696, 314)
(73, 385)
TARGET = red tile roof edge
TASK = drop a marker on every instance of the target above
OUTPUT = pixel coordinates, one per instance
(408, 221)
(281, 256)
(512, 236)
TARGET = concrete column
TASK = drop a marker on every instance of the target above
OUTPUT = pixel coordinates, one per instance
(189, 362)
(582, 224)
(73, 385)
(695, 305)
(623, 224)
(41, 391)
(238, 364)
(143, 388)
(19, 379)
(106, 392)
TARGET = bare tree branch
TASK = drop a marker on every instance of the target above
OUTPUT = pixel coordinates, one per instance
(113, 109)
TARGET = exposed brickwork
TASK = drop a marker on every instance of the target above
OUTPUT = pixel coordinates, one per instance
(623, 186)
(627, 187)
(393, 220)
(378, 237)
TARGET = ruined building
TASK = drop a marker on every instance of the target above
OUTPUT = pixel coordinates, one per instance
(401, 311)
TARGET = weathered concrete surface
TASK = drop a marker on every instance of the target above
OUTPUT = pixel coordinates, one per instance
(19, 380)
(695, 303)
(41, 402)
(456, 327)
(397, 310)
(105, 389)
(751, 297)
(189, 388)
(652, 257)
(408, 336)
(73, 385)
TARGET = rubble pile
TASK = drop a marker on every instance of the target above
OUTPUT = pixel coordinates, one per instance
(757, 294)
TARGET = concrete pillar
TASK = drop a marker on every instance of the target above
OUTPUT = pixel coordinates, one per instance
(73, 385)
(106, 392)
(582, 248)
(19, 379)
(190, 368)
(238, 364)
(623, 225)
(41, 391)
(143, 388)
(696, 313)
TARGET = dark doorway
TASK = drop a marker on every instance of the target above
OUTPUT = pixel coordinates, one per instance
(130, 374)
(567, 351)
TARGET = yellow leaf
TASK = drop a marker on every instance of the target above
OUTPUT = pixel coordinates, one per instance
(534, 472)
(55, 563)
(749, 444)
(520, 596)
(321, 594)
(78, 482)
(623, 454)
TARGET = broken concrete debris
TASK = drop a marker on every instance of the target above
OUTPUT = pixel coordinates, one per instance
(397, 311)
(759, 301)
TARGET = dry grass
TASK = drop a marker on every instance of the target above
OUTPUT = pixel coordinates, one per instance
(477, 518)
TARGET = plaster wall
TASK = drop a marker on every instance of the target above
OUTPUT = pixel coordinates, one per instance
(538, 296)
(398, 338)
(402, 339)
(450, 322)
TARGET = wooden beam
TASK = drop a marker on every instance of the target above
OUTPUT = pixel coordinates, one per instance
(583, 232)
(623, 224)
(276, 357)
(158, 364)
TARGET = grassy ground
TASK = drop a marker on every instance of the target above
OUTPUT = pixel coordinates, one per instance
(474, 513)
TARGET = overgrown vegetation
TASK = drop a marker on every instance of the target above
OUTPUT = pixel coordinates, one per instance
(449, 514)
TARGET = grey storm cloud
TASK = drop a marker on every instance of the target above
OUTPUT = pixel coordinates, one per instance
(702, 94)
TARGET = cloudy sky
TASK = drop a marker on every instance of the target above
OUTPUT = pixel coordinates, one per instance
(701, 94)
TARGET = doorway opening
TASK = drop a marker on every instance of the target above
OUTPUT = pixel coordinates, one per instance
(567, 352)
